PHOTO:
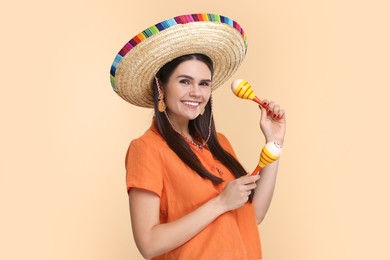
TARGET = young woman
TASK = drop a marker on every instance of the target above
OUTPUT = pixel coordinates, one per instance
(189, 196)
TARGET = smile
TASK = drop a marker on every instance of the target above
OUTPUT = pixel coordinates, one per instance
(191, 103)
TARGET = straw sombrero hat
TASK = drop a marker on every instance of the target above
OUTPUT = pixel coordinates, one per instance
(136, 64)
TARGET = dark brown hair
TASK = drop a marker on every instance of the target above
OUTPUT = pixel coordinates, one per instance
(199, 128)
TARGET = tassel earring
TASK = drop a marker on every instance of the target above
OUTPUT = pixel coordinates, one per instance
(161, 104)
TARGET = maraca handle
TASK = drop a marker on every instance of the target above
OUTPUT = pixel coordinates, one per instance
(261, 103)
(256, 171)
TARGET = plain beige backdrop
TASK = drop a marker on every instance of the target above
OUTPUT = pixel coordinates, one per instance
(64, 132)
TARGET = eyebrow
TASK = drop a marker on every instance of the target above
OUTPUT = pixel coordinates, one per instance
(189, 77)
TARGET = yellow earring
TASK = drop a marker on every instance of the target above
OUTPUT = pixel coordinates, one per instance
(161, 103)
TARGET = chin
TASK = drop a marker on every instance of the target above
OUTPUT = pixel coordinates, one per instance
(193, 116)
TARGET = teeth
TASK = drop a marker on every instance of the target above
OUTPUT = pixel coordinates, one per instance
(191, 103)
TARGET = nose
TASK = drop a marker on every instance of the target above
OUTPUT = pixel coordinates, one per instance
(195, 90)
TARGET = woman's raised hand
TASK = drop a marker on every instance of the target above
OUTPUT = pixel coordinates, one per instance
(273, 122)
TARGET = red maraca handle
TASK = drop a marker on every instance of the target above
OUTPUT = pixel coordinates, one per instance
(256, 171)
(261, 103)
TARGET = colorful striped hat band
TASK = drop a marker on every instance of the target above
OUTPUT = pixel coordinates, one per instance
(218, 37)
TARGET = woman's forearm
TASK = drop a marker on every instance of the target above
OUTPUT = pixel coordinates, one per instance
(156, 239)
(265, 190)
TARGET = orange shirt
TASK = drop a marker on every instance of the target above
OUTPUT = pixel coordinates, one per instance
(153, 166)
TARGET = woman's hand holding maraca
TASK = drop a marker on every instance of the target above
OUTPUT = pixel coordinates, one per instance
(236, 192)
(273, 122)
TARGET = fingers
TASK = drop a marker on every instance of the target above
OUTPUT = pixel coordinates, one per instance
(247, 184)
(246, 191)
(237, 191)
(274, 111)
(245, 197)
(247, 180)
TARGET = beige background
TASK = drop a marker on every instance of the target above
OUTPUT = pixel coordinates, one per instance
(64, 132)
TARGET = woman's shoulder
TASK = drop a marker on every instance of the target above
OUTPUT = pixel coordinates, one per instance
(150, 138)
(221, 137)
(224, 142)
(149, 145)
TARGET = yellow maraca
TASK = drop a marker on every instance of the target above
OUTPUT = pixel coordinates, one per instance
(270, 153)
(243, 89)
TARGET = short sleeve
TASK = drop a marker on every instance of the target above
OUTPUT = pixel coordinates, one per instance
(143, 167)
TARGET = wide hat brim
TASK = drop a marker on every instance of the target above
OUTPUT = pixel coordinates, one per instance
(135, 66)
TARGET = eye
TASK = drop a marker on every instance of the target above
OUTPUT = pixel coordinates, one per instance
(184, 82)
(205, 84)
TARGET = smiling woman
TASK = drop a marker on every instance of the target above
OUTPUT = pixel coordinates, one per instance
(189, 196)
